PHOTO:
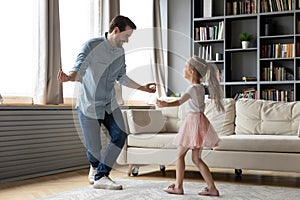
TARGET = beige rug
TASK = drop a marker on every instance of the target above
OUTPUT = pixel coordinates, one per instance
(149, 190)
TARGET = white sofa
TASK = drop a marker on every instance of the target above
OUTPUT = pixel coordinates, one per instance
(255, 135)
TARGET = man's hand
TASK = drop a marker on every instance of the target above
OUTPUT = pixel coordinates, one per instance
(62, 77)
(150, 87)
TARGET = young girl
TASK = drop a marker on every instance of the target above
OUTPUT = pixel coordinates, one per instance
(196, 131)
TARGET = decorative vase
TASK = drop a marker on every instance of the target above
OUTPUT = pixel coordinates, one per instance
(245, 44)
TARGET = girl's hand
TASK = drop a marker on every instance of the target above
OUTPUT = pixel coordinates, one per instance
(161, 103)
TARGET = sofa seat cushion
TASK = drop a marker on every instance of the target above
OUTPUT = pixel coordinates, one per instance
(260, 143)
(151, 140)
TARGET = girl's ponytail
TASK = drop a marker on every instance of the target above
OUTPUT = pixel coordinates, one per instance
(215, 90)
(207, 72)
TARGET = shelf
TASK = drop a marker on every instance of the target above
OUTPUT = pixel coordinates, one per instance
(241, 83)
(276, 82)
(216, 18)
(242, 16)
(241, 50)
(277, 36)
(208, 41)
(277, 13)
(269, 29)
(278, 59)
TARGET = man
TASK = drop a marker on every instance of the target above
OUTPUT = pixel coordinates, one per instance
(100, 63)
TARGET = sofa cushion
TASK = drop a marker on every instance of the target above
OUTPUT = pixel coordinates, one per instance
(260, 143)
(171, 115)
(267, 117)
(151, 140)
(223, 123)
(172, 122)
(145, 121)
(299, 130)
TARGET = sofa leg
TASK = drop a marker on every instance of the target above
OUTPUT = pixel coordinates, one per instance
(162, 169)
(135, 171)
(238, 172)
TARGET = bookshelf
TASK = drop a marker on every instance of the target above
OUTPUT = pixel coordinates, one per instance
(271, 65)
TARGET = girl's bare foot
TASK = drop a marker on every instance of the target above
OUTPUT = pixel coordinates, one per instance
(172, 190)
(207, 192)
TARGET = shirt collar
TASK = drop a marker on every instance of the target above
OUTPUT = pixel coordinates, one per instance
(113, 49)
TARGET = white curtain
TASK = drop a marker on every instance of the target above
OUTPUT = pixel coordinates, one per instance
(159, 66)
(47, 89)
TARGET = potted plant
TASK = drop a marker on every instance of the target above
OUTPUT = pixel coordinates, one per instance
(245, 38)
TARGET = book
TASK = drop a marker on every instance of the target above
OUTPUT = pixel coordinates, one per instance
(207, 8)
(196, 33)
(271, 5)
(228, 8)
(200, 52)
(221, 30)
(271, 72)
(264, 6)
(234, 8)
(285, 4)
(210, 52)
(298, 73)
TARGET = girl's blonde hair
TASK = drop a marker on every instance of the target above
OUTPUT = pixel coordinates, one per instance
(207, 73)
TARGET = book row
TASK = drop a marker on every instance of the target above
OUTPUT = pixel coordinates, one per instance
(249, 93)
(210, 32)
(277, 51)
(241, 7)
(278, 95)
(274, 74)
(276, 5)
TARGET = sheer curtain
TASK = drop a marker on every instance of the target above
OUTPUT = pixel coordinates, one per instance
(145, 56)
(159, 66)
(47, 89)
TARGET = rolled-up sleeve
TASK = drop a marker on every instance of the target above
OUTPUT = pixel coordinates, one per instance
(122, 78)
(80, 64)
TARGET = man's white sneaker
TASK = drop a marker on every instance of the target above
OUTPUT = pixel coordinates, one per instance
(92, 173)
(106, 183)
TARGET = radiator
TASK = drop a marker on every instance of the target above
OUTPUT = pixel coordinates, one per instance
(39, 140)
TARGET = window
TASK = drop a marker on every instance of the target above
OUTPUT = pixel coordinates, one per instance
(17, 47)
(77, 25)
(138, 58)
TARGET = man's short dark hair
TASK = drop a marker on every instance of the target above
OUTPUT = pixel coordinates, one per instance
(121, 22)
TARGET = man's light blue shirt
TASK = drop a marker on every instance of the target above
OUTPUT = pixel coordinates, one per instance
(98, 65)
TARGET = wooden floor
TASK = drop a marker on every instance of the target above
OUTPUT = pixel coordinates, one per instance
(37, 188)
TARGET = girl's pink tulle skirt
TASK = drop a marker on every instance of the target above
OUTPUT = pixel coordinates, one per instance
(196, 132)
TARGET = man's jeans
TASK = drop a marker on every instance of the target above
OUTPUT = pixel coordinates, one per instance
(91, 132)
